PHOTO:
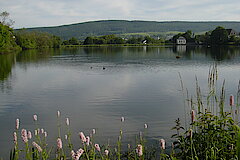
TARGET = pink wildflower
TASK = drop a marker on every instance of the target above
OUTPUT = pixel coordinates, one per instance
(15, 137)
(73, 154)
(29, 134)
(87, 140)
(42, 131)
(106, 152)
(17, 123)
(77, 155)
(145, 126)
(97, 147)
(93, 131)
(59, 143)
(139, 150)
(37, 146)
(58, 114)
(67, 121)
(162, 143)
(231, 100)
(82, 137)
(193, 115)
(35, 132)
(35, 117)
(190, 133)
(45, 134)
(24, 135)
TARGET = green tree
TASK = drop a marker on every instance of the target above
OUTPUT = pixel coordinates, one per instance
(7, 39)
(219, 36)
(88, 40)
(73, 41)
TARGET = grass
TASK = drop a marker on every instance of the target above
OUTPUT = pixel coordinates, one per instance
(211, 131)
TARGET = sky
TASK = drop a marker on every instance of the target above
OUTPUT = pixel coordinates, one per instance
(39, 13)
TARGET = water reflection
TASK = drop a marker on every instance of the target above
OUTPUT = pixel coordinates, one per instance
(119, 54)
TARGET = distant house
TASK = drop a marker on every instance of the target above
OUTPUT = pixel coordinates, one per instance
(181, 40)
(232, 32)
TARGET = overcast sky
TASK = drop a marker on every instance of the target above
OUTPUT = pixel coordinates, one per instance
(34, 13)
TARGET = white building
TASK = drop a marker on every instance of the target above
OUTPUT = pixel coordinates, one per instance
(181, 40)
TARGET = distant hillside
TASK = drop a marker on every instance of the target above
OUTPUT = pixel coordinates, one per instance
(122, 27)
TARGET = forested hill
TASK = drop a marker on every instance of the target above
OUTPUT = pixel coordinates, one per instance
(106, 27)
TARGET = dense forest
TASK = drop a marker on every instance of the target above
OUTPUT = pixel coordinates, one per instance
(122, 27)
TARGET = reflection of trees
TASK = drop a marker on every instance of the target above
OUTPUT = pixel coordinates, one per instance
(220, 53)
(6, 63)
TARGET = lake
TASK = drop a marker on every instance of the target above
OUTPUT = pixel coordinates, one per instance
(96, 86)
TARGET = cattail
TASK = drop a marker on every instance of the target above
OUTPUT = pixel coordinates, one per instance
(17, 123)
(45, 134)
(193, 115)
(29, 134)
(24, 135)
(122, 119)
(97, 147)
(93, 131)
(15, 137)
(145, 126)
(87, 140)
(162, 143)
(37, 146)
(106, 152)
(139, 150)
(82, 137)
(67, 121)
(231, 100)
(35, 117)
(58, 114)
(59, 143)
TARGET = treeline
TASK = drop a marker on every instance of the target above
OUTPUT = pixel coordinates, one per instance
(112, 39)
(35, 40)
(219, 36)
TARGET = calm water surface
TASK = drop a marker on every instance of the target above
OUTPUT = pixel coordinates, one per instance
(140, 83)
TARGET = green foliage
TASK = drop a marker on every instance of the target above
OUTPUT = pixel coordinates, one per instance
(219, 36)
(213, 132)
(33, 40)
(7, 39)
(112, 39)
(108, 39)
